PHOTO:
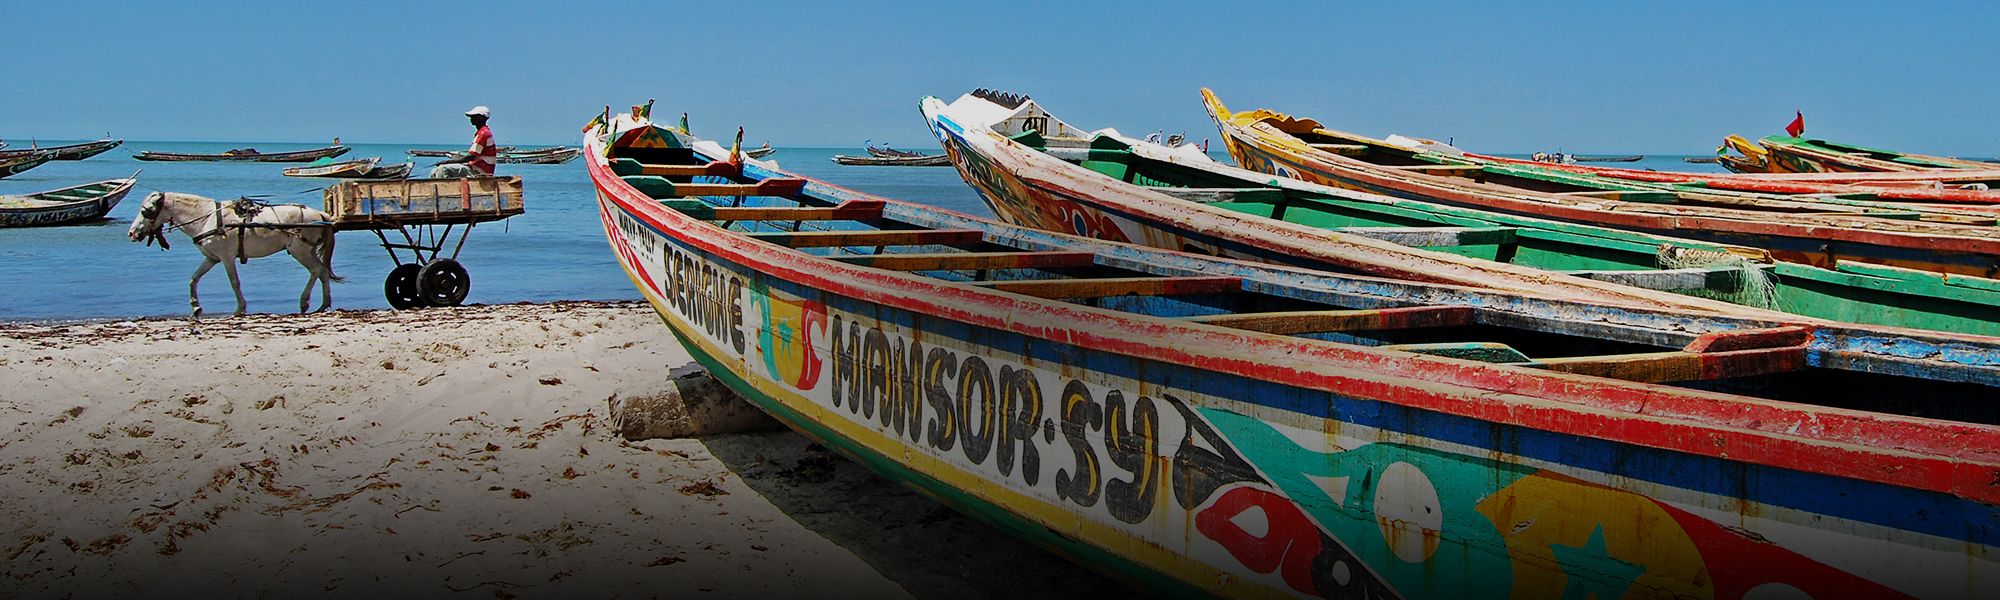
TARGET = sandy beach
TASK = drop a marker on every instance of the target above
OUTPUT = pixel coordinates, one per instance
(425, 453)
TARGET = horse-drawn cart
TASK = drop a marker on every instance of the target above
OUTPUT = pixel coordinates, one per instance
(417, 208)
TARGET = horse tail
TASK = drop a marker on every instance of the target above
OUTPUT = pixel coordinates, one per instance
(326, 255)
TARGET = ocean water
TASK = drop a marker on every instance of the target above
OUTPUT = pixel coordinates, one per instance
(556, 251)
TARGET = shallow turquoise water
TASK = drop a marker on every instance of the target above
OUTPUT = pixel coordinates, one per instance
(554, 252)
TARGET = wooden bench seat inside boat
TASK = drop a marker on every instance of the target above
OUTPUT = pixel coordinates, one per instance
(1341, 149)
(629, 167)
(661, 188)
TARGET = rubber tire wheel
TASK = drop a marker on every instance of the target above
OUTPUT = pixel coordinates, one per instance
(401, 287)
(443, 282)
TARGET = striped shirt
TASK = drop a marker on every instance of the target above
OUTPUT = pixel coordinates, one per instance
(484, 154)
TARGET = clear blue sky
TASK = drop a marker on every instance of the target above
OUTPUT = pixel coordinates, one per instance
(1668, 77)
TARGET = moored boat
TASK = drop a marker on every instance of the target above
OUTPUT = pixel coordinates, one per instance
(1200, 425)
(1629, 158)
(246, 155)
(1823, 232)
(555, 156)
(78, 151)
(1128, 190)
(423, 153)
(1789, 154)
(1953, 186)
(1698, 160)
(920, 160)
(401, 171)
(70, 205)
(343, 169)
(760, 151)
(15, 165)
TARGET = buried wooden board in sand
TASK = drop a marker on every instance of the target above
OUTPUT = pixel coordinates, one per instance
(422, 453)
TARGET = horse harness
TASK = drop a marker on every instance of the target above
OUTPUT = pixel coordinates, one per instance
(245, 209)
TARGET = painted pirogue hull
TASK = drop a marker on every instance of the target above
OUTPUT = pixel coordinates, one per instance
(1941, 187)
(21, 164)
(64, 211)
(1818, 240)
(273, 157)
(1799, 155)
(1125, 198)
(69, 152)
(1195, 460)
(349, 169)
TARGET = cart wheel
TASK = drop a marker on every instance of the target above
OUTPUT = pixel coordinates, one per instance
(443, 282)
(401, 287)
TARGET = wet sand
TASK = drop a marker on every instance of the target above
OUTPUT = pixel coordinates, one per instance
(466, 450)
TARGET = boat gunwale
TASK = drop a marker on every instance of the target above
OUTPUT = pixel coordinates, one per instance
(1931, 454)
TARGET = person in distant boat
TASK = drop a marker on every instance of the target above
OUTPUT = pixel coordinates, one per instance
(477, 161)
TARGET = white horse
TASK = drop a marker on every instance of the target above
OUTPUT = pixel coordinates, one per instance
(214, 228)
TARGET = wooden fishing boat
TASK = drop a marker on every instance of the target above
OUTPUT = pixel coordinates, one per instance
(1699, 160)
(246, 155)
(1631, 158)
(20, 164)
(760, 152)
(887, 152)
(1829, 233)
(1200, 425)
(401, 171)
(1129, 190)
(67, 152)
(344, 169)
(1801, 155)
(1951, 186)
(70, 205)
(936, 160)
(554, 157)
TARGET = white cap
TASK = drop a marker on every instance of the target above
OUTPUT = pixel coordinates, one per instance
(479, 110)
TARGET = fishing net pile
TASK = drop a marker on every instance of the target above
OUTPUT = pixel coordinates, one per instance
(1749, 284)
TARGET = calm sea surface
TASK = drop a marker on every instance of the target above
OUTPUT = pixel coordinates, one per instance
(554, 252)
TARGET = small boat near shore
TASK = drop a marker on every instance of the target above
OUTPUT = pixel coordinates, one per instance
(1629, 158)
(548, 156)
(15, 165)
(1208, 426)
(344, 169)
(78, 151)
(760, 151)
(422, 153)
(920, 160)
(1699, 160)
(246, 155)
(66, 206)
(1826, 232)
(1123, 189)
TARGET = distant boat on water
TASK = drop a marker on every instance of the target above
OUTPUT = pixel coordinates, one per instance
(65, 152)
(20, 164)
(1700, 160)
(914, 160)
(246, 155)
(1627, 158)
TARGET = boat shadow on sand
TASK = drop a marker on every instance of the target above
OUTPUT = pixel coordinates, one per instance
(930, 550)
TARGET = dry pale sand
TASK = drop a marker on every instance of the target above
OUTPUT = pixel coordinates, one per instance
(462, 452)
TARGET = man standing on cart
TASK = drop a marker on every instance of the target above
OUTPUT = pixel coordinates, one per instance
(480, 159)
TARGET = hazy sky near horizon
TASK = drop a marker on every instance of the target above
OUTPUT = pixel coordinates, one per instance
(1663, 78)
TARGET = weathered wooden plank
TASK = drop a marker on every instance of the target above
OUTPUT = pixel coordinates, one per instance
(845, 212)
(1117, 286)
(909, 237)
(972, 260)
(1455, 170)
(1661, 367)
(1493, 352)
(1212, 195)
(1326, 321)
(716, 169)
(1718, 278)
(1438, 236)
(1341, 149)
(1750, 339)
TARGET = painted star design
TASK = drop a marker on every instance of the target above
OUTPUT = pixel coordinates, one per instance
(1592, 571)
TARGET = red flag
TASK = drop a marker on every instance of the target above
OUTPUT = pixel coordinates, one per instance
(1798, 126)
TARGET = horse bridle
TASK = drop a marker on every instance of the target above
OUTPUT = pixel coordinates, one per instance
(151, 211)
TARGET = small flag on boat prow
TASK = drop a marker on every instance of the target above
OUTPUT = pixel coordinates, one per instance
(599, 119)
(1798, 125)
